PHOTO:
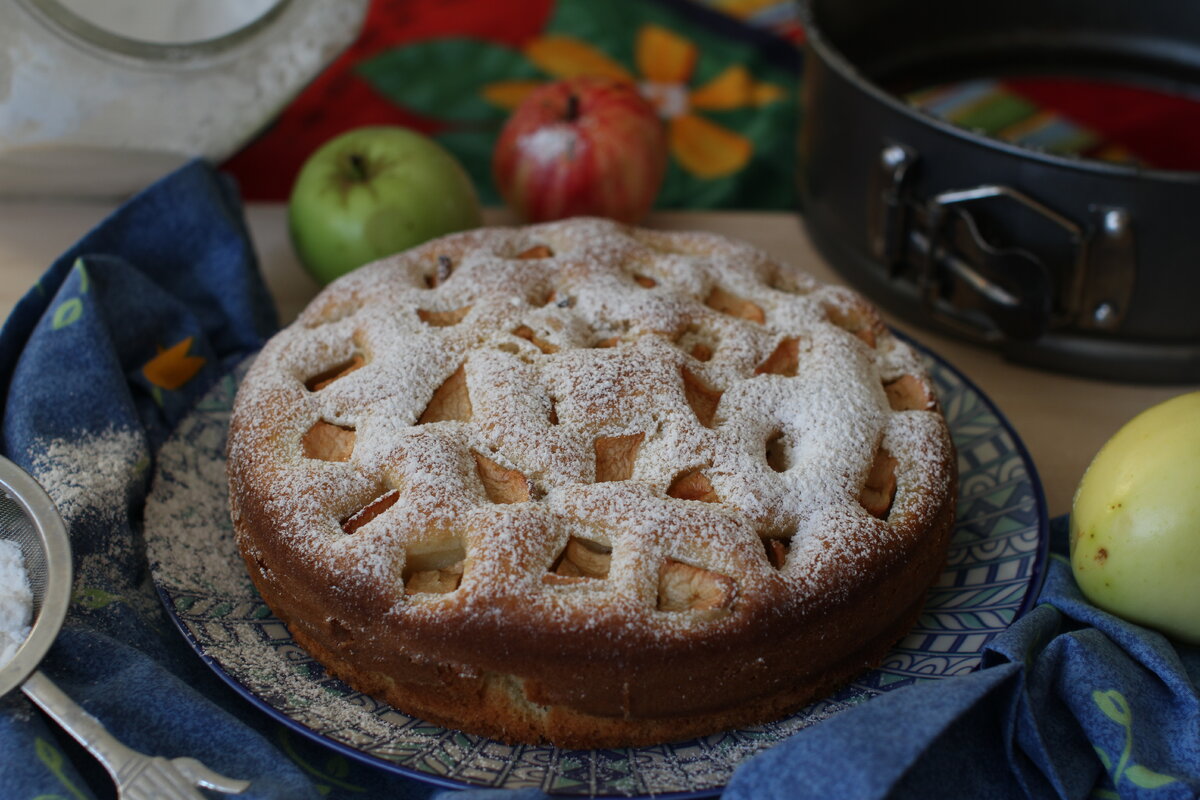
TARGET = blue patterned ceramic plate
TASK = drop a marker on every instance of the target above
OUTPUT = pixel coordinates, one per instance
(992, 575)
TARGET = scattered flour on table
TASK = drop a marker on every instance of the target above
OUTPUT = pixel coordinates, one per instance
(16, 600)
(89, 477)
(92, 479)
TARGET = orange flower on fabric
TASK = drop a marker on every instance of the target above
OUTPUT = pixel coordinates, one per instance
(173, 367)
(666, 63)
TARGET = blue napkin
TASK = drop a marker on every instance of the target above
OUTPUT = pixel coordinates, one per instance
(1071, 702)
(131, 326)
(100, 361)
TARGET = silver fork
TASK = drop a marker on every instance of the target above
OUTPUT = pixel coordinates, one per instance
(137, 775)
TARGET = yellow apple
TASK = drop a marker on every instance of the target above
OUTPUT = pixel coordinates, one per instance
(1135, 521)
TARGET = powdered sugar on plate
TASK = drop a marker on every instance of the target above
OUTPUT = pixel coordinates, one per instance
(189, 497)
(16, 600)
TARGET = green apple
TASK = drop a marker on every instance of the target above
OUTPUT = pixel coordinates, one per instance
(1135, 521)
(375, 191)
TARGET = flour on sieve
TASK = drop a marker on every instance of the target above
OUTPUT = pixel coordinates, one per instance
(16, 600)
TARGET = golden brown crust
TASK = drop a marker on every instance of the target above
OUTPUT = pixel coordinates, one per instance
(743, 557)
(499, 706)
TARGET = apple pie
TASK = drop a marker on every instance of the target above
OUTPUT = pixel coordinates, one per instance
(591, 484)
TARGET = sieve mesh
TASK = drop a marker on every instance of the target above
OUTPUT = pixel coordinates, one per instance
(16, 526)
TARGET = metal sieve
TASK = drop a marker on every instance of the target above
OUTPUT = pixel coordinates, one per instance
(28, 517)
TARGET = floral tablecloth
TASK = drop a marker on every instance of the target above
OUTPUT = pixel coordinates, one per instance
(725, 75)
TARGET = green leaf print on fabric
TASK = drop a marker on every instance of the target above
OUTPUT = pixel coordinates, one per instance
(332, 776)
(452, 74)
(71, 309)
(731, 114)
(54, 760)
(1114, 706)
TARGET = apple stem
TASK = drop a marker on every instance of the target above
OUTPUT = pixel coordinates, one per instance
(358, 167)
(572, 107)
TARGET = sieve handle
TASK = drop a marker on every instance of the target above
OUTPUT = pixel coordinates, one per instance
(138, 776)
(86, 729)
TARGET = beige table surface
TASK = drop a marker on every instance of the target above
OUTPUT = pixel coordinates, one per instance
(1062, 420)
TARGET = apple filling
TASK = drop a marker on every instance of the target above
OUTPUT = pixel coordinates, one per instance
(319, 381)
(880, 488)
(682, 587)
(728, 303)
(526, 333)
(442, 319)
(370, 511)
(777, 551)
(693, 485)
(854, 320)
(615, 456)
(433, 567)
(784, 360)
(450, 401)
(325, 441)
(581, 558)
(702, 398)
(441, 273)
(909, 393)
(695, 344)
(537, 251)
(502, 485)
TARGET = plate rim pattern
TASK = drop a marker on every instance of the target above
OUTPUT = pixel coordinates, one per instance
(1031, 560)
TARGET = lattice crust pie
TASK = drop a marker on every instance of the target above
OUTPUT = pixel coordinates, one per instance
(591, 484)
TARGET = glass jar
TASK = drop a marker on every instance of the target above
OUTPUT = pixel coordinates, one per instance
(98, 98)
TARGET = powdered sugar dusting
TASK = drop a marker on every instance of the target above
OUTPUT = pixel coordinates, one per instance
(558, 352)
(189, 497)
(16, 600)
(681, 402)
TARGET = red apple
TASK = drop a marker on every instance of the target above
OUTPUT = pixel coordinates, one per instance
(581, 146)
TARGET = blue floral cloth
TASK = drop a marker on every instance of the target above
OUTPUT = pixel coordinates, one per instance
(131, 326)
